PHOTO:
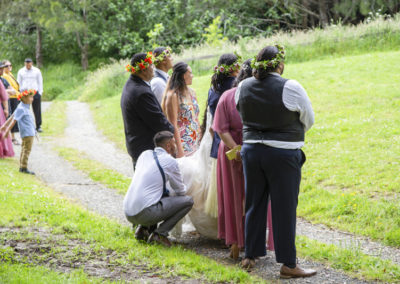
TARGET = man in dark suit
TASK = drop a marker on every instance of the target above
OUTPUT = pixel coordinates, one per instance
(141, 111)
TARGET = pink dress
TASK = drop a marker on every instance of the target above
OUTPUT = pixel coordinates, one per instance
(230, 178)
(6, 148)
(188, 123)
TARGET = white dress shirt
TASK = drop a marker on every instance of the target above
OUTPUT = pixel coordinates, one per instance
(158, 84)
(146, 188)
(294, 98)
(30, 79)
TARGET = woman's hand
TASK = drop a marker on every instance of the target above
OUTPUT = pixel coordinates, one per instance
(6, 113)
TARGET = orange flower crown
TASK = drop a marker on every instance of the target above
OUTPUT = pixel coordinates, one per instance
(139, 66)
(26, 93)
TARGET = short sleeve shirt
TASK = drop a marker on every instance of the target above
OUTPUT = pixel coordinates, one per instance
(25, 120)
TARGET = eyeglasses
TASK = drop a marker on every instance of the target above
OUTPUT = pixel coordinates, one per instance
(8, 65)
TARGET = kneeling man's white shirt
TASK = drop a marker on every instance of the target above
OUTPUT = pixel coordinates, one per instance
(146, 188)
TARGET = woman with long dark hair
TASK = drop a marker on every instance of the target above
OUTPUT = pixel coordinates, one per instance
(182, 110)
(222, 79)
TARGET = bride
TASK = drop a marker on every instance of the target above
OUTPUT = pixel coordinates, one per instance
(196, 172)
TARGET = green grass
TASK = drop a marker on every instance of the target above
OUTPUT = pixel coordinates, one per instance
(55, 119)
(63, 81)
(353, 148)
(305, 45)
(12, 273)
(26, 202)
(95, 170)
(353, 262)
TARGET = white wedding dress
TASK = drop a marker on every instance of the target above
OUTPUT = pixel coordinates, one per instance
(196, 172)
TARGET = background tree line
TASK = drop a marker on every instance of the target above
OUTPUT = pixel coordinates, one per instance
(55, 31)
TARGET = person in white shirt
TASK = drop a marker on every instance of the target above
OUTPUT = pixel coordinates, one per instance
(276, 113)
(163, 62)
(148, 200)
(30, 77)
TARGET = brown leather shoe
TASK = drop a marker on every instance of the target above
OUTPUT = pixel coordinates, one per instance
(248, 264)
(141, 233)
(287, 272)
(159, 239)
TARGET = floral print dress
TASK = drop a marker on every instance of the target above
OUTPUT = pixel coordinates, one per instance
(188, 123)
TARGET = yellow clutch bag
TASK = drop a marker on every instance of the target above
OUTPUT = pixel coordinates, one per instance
(231, 154)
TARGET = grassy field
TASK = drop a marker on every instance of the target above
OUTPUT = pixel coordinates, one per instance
(353, 149)
(29, 205)
(350, 259)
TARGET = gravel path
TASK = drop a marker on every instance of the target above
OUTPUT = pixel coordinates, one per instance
(82, 135)
(64, 178)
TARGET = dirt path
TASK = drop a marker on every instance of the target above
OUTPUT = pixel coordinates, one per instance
(82, 135)
(60, 175)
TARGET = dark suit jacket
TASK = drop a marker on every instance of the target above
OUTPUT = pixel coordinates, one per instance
(142, 116)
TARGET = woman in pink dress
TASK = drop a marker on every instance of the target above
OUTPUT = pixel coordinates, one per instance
(6, 148)
(230, 179)
(180, 106)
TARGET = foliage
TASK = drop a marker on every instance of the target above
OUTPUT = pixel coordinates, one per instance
(213, 33)
(71, 29)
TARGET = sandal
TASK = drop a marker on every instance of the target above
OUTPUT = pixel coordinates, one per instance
(15, 142)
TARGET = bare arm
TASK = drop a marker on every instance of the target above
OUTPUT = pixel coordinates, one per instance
(171, 110)
(6, 127)
(10, 91)
(226, 137)
(5, 106)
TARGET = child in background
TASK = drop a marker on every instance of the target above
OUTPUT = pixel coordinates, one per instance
(26, 126)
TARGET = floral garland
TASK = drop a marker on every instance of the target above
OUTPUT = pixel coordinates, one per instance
(226, 69)
(26, 93)
(271, 63)
(139, 66)
(167, 52)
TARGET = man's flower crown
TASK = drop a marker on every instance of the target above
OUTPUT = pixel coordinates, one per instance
(26, 93)
(167, 52)
(140, 65)
(271, 63)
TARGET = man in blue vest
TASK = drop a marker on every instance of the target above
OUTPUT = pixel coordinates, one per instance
(163, 62)
(276, 113)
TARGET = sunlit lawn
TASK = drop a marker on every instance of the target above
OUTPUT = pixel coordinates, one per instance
(353, 150)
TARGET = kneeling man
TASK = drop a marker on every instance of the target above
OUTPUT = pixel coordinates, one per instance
(148, 201)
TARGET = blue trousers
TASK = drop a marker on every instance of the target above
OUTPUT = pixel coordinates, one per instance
(275, 172)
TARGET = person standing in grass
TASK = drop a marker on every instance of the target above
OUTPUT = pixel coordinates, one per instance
(141, 112)
(276, 113)
(163, 62)
(182, 109)
(148, 201)
(26, 126)
(30, 78)
(13, 100)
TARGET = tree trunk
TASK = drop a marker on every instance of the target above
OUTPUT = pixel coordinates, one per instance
(39, 56)
(323, 16)
(305, 14)
(84, 47)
